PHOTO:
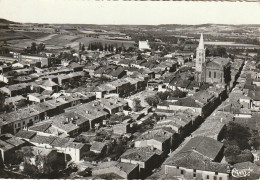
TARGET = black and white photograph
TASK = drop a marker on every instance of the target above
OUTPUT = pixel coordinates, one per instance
(99, 89)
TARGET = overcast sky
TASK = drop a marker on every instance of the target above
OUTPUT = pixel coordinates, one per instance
(129, 12)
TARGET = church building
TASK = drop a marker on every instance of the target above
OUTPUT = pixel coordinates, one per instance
(215, 70)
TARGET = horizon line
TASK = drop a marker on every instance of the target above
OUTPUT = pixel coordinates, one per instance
(100, 24)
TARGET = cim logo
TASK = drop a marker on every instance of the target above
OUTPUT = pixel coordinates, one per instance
(238, 173)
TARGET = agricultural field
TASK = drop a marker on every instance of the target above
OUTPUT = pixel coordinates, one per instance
(60, 40)
(34, 35)
(87, 40)
(218, 43)
(23, 39)
(6, 35)
(37, 38)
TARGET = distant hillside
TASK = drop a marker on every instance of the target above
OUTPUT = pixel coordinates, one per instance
(4, 21)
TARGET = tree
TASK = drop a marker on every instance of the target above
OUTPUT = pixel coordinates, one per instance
(152, 100)
(33, 48)
(40, 47)
(83, 47)
(178, 93)
(255, 140)
(90, 156)
(232, 150)
(208, 53)
(231, 153)
(101, 47)
(31, 170)
(2, 100)
(164, 95)
(136, 105)
(139, 57)
(234, 155)
(245, 156)
(80, 46)
(240, 134)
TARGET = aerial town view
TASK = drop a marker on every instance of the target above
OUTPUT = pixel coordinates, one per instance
(123, 99)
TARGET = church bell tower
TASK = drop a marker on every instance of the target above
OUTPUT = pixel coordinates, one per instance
(200, 60)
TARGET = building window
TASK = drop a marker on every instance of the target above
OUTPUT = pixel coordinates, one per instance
(220, 178)
(177, 167)
(24, 123)
(215, 177)
(215, 74)
(207, 176)
(194, 170)
(210, 74)
(216, 173)
(181, 171)
(194, 175)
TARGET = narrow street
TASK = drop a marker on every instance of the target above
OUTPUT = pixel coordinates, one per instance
(160, 171)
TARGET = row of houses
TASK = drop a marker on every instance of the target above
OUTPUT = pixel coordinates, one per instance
(18, 72)
(121, 87)
(180, 121)
(198, 159)
(50, 83)
(202, 102)
(62, 145)
(22, 118)
(152, 147)
(56, 132)
(201, 156)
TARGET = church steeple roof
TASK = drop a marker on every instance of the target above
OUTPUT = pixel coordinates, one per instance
(201, 43)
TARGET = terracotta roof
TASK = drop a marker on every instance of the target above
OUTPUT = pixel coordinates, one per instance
(64, 123)
(75, 65)
(43, 139)
(46, 92)
(194, 160)
(125, 167)
(5, 146)
(141, 154)
(49, 83)
(97, 146)
(60, 142)
(74, 145)
(25, 134)
(14, 99)
(15, 141)
(155, 134)
(20, 114)
(40, 127)
(207, 146)
(187, 101)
